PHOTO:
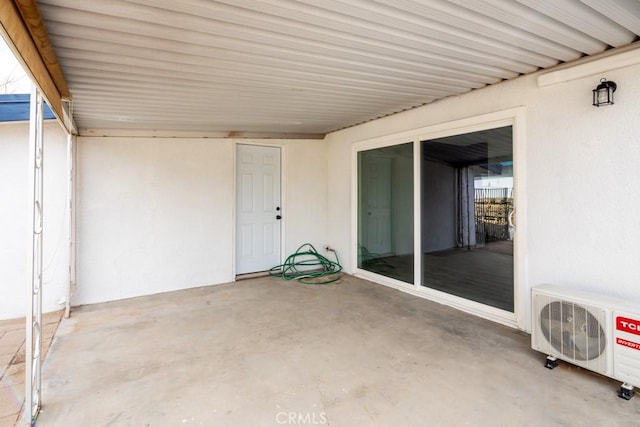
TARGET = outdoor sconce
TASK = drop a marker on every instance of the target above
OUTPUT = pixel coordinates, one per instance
(603, 94)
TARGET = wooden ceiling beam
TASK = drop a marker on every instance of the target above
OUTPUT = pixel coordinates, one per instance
(33, 20)
(22, 25)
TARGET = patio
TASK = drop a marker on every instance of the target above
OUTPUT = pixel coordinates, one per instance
(156, 102)
(264, 352)
(12, 356)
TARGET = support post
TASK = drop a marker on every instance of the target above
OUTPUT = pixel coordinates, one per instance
(71, 167)
(33, 343)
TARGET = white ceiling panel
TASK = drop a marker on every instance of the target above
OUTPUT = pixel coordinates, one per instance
(307, 66)
(623, 12)
(583, 18)
(536, 24)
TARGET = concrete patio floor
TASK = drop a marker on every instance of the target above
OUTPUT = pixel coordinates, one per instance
(12, 362)
(265, 352)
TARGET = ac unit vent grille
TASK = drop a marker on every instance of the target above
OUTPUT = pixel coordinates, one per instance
(571, 330)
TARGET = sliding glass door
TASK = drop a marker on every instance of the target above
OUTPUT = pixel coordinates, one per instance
(467, 208)
(465, 229)
(385, 211)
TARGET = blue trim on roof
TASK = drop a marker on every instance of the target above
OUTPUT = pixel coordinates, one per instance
(15, 107)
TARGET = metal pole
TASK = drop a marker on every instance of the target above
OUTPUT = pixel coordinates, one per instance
(33, 344)
(72, 221)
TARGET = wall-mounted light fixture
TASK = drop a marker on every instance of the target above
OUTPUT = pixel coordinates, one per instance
(603, 94)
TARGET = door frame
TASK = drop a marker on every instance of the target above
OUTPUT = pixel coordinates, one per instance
(514, 117)
(283, 192)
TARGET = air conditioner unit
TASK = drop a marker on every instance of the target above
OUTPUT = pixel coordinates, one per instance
(595, 332)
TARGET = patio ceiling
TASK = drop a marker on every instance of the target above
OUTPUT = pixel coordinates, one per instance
(306, 67)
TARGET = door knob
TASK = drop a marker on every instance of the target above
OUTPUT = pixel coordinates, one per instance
(278, 217)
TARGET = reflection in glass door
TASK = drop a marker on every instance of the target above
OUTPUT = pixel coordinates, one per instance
(467, 204)
(385, 211)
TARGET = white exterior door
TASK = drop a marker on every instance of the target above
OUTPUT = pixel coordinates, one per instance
(258, 210)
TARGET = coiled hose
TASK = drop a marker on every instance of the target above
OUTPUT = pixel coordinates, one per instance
(307, 266)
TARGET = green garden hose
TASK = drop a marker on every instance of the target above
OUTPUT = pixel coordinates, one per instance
(309, 267)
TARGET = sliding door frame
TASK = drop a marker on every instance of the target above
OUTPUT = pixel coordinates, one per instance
(514, 117)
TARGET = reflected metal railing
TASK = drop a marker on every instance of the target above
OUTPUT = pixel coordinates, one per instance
(491, 212)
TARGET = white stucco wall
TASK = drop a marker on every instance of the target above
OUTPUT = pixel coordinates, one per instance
(14, 227)
(582, 182)
(157, 214)
(306, 194)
